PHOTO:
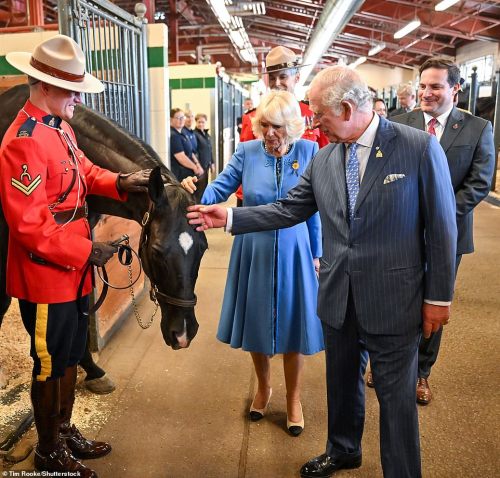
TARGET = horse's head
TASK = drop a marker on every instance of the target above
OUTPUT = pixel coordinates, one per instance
(171, 252)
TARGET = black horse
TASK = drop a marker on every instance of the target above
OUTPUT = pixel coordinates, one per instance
(170, 249)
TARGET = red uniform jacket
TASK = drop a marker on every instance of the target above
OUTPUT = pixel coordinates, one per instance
(36, 167)
(312, 134)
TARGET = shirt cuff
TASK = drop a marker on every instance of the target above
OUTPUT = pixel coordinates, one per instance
(229, 221)
(437, 302)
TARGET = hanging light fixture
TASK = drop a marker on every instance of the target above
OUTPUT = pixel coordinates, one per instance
(358, 62)
(234, 28)
(376, 49)
(413, 25)
(444, 5)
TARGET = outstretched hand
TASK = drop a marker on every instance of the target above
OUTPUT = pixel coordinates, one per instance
(434, 317)
(207, 217)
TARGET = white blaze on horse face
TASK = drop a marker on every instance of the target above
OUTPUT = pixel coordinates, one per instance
(185, 241)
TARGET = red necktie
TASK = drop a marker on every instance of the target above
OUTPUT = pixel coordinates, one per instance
(430, 126)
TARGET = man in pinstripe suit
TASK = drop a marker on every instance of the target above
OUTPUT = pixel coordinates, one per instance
(388, 214)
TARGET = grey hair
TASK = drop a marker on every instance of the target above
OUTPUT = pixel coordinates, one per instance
(340, 83)
(279, 108)
(406, 90)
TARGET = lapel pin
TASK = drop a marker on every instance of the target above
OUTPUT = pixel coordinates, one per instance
(455, 126)
(379, 153)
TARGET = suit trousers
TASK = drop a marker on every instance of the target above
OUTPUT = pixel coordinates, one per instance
(429, 348)
(394, 367)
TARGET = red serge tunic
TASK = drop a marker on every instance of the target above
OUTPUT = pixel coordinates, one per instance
(36, 168)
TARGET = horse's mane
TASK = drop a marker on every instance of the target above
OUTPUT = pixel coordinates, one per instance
(103, 130)
(178, 197)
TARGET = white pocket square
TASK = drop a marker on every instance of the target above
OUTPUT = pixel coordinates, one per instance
(390, 178)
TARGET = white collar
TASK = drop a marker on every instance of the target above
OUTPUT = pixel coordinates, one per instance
(441, 119)
(368, 137)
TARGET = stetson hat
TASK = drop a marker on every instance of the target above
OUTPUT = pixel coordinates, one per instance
(281, 58)
(58, 61)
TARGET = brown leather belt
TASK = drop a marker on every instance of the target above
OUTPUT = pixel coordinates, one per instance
(62, 217)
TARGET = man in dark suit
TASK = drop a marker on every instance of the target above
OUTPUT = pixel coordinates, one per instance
(468, 144)
(407, 100)
(388, 214)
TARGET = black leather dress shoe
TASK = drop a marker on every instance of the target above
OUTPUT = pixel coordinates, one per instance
(324, 466)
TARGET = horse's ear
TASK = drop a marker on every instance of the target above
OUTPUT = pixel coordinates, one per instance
(155, 186)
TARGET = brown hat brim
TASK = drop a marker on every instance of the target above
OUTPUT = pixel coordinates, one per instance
(21, 61)
(285, 67)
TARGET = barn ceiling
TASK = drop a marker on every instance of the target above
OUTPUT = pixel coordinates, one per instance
(292, 23)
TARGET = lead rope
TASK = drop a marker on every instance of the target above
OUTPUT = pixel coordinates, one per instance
(134, 304)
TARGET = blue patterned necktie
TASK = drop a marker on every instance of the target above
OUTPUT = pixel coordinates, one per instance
(352, 179)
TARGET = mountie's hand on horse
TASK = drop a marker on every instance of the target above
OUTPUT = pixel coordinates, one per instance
(102, 252)
(134, 182)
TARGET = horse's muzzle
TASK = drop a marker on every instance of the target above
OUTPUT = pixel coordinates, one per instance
(178, 326)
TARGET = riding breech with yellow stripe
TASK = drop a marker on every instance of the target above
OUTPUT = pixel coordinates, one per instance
(58, 335)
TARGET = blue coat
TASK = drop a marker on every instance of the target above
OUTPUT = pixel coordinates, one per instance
(271, 290)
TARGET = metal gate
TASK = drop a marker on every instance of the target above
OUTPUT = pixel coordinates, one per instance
(115, 47)
(229, 108)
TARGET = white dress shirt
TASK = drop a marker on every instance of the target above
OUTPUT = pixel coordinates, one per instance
(440, 125)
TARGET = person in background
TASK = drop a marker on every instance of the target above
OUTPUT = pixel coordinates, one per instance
(387, 271)
(269, 304)
(44, 181)
(205, 155)
(183, 161)
(468, 144)
(380, 107)
(188, 130)
(407, 100)
(247, 107)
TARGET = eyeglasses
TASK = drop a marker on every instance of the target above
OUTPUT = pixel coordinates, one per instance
(179, 117)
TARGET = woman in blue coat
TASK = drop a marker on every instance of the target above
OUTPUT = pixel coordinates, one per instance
(269, 304)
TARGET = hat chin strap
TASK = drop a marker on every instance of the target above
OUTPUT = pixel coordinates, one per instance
(55, 72)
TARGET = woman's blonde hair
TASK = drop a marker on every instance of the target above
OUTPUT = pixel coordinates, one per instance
(279, 108)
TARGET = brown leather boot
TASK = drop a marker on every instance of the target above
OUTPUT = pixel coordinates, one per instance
(51, 453)
(79, 446)
(61, 460)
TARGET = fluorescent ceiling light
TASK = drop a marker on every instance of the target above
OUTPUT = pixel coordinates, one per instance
(445, 4)
(237, 38)
(407, 29)
(358, 62)
(220, 10)
(377, 49)
(249, 55)
(334, 17)
(233, 26)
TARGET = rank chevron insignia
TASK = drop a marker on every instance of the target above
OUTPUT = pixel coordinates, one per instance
(26, 189)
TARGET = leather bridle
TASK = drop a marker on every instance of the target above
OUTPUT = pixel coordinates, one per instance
(154, 292)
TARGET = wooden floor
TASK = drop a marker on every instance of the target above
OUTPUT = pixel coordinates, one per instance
(179, 414)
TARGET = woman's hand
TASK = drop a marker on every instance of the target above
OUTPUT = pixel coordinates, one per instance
(198, 170)
(316, 265)
(189, 184)
(207, 217)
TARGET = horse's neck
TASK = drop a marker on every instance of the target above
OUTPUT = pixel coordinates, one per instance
(134, 208)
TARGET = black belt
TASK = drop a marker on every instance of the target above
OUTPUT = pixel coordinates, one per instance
(62, 217)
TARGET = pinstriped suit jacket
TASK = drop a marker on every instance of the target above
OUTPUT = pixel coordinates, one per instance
(400, 247)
